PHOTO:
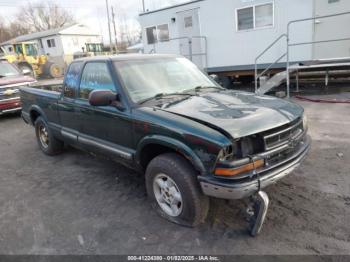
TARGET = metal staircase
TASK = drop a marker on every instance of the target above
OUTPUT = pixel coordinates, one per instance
(273, 82)
(313, 66)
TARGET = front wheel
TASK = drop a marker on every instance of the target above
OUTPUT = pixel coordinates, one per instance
(47, 142)
(174, 192)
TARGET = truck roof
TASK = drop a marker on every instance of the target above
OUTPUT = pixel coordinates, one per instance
(126, 57)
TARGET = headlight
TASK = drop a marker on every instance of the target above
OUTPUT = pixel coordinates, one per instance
(226, 154)
(305, 122)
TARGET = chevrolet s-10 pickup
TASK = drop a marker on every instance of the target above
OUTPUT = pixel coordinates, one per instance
(162, 116)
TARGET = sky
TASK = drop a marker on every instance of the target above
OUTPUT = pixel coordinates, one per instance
(92, 12)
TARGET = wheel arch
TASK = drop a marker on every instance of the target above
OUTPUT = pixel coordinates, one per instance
(35, 112)
(153, 146)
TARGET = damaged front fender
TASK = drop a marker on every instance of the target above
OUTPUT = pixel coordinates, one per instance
(173, 144)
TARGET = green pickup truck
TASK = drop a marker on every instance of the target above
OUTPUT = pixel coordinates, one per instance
(162, 116)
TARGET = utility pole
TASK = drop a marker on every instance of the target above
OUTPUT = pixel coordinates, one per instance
(115, 30)
(109, 28)
(143, 6)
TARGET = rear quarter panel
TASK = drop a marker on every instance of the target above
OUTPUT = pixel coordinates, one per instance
(43, 101)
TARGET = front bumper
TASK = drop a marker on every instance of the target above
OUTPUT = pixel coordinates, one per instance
(219, 188)
(10, 105)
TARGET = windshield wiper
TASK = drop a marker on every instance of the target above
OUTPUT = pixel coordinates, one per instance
(200, 88)
(163, 95)
(1, 76)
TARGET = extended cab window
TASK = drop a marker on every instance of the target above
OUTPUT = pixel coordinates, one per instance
(95, 76)
(72, 79)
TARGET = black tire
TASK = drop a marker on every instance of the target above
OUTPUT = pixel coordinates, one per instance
(226, 82)
(53, 70)
(195, 205)
(53, 145)
(246, 80)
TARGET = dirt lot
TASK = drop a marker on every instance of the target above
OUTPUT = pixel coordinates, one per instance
(76, 203)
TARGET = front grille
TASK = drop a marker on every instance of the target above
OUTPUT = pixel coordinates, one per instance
(280, 156)
(9, 93)
(283, 135)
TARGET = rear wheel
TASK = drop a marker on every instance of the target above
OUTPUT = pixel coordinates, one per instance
(46, 141)
(174, 192)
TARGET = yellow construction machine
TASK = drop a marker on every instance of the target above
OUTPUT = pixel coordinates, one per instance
(27, 58)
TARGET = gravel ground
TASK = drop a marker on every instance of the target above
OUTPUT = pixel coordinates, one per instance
(77, 203)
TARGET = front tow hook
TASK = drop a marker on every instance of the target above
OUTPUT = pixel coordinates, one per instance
(257, 211)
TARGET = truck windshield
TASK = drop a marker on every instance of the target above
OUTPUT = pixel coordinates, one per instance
(145, 78)
(7, 69)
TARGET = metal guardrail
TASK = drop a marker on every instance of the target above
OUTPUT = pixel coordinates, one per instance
(288, 44)
(268, 68)
(154, 50)
(311, 42)
(190, 47)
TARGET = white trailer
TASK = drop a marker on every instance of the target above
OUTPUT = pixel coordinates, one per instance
(226, 36)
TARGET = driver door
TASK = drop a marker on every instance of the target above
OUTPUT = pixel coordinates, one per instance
(104, 129)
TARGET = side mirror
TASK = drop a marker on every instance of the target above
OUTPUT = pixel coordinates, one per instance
(102, 98)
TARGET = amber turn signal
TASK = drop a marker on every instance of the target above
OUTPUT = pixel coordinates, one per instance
(239, 170)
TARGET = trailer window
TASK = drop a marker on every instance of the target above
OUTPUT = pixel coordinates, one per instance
(151, 35)
(163, 32)
(157, 33)
(245, 18)
(258, 16)
(264, 15)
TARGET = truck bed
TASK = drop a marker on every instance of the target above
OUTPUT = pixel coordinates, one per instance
(43, 96)
(51, 85)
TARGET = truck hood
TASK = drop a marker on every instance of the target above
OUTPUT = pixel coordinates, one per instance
(13, 80)
(236, 113)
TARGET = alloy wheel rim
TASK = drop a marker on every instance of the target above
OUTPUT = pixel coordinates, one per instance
(43, 136)
(168, 195)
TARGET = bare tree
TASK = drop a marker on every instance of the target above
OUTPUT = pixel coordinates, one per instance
(34, 18)
(128, 31)
(3, 32)
(44, 16)
(8, 31)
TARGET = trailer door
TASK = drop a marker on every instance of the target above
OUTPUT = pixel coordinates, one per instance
(188, 27)
(331, 28)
